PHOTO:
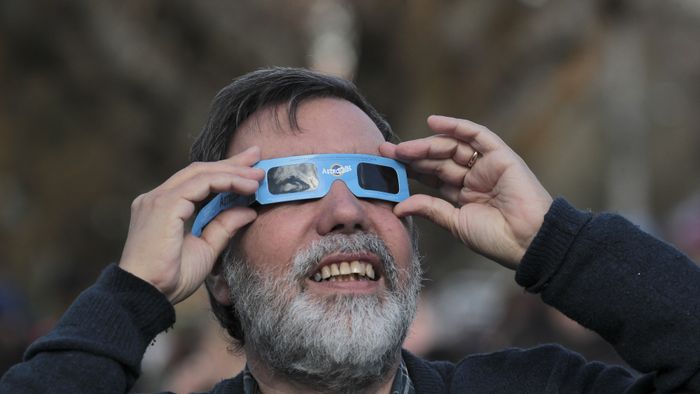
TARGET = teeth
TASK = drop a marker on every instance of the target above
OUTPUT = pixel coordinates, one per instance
(345, 271)
(325, 272)
(370, 271)
(357, 268)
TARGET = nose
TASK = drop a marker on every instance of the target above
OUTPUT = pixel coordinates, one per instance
(340, 211)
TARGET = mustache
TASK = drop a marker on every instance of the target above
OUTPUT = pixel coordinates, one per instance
(306, 260)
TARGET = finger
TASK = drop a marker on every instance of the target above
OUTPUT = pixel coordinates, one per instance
(224, 226)
(435, 147)
(239, 164)
(181, 200)
(421, 148)
(478, 136)
(247, 157)
(197, 189)
(434, 209)
(200, 170)
(388, 150)
(446, 170)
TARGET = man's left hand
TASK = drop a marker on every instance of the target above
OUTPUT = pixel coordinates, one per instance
(496, 207)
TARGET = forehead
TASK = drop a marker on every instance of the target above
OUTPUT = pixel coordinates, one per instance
(326, 125)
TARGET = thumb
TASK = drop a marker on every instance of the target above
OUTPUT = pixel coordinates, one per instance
(434, 209)
(219, 231)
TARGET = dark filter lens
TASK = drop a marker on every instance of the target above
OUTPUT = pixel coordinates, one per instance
(379, 178)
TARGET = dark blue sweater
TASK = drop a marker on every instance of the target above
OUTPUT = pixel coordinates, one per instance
(640, 294)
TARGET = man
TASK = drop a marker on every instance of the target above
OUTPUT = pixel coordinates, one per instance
(319, 292)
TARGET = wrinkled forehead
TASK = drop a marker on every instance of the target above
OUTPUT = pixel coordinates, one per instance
(325, 125)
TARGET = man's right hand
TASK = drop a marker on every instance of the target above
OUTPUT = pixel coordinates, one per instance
(157, 248)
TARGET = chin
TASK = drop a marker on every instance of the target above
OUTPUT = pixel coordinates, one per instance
(336, 342)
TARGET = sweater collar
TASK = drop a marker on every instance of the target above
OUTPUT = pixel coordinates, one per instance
(402, 381)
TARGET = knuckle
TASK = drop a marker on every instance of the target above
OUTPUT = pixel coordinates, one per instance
(221, 229)
(440, 169)
(150, 200)
(482, 129)
(138, 202)
(159, 200)
(197, 166)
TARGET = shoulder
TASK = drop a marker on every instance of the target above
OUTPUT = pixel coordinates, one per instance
(545, 368)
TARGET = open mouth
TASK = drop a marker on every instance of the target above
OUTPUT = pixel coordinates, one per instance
(346, 271)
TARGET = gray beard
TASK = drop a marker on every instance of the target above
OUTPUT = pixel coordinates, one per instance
(340, 343)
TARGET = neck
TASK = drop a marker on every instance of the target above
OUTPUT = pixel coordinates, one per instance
(274, 382)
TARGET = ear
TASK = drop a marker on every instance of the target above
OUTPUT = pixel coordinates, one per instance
(216, 282)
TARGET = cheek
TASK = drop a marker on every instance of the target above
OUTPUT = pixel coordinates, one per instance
(397, 237)
(272, 239)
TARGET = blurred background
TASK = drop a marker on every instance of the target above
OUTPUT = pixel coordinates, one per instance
(100, 100)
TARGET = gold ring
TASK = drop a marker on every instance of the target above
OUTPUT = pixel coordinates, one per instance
(473, 159)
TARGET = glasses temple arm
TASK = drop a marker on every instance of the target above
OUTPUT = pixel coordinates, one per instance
(218, 204)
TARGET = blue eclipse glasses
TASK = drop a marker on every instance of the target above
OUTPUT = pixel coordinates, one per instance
(311, 176)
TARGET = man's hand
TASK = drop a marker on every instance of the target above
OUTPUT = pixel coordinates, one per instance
(157, 249)
(495, 208)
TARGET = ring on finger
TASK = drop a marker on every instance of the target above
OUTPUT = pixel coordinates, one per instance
(473, 159)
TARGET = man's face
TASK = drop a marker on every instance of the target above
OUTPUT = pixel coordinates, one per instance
(270, 242)
(310, 327)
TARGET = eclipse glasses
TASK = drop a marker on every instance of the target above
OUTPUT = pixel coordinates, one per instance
(307, 177)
